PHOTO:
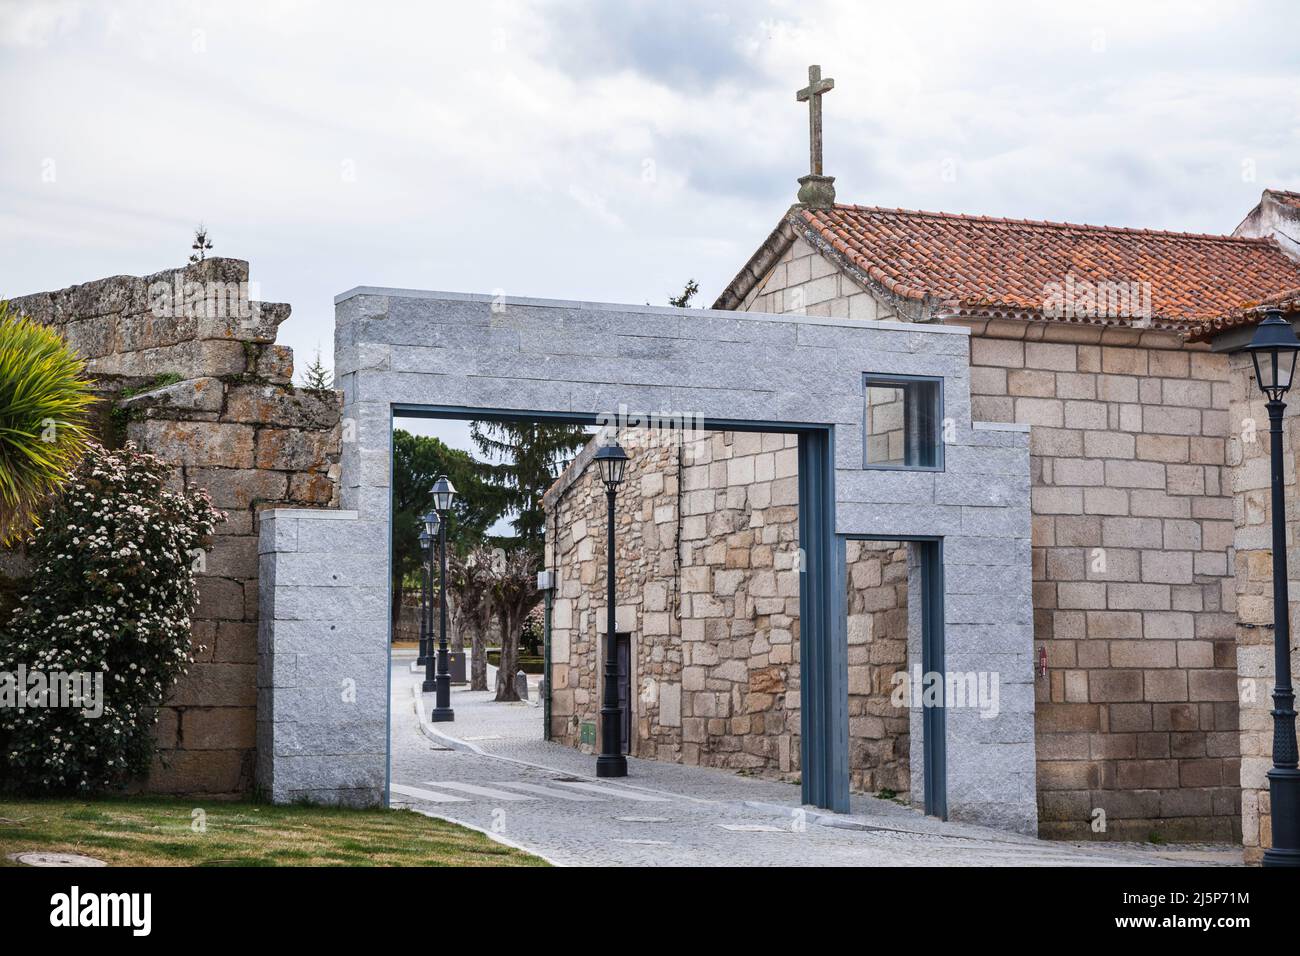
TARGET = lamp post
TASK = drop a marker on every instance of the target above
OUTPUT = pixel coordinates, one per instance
(426, 542)
(443, 493)
(427, 537)
(1273, 350)
(612, 461)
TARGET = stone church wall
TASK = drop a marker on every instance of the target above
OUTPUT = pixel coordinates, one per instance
(804, 282)
(1134, 595)
(715, 672)
(194, 375)
(1134, 588)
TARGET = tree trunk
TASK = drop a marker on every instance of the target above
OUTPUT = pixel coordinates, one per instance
(457, 624)
(509, 654)
(478, 654)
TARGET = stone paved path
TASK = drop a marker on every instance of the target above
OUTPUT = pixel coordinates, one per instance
(491, 770)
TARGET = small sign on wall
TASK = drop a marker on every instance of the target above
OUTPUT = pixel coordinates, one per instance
(587, 733)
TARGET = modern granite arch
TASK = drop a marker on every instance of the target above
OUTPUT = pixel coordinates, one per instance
(323, 688)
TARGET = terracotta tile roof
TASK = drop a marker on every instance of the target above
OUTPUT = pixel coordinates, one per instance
(1286, 197)
(1249, 313)
(978, 265)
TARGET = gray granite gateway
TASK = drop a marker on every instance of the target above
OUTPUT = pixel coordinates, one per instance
(324, 642)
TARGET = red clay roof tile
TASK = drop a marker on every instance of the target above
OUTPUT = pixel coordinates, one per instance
(1248, 313)
(988, 266)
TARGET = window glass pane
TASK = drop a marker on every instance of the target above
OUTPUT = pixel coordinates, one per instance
(884, 425)
(902, 423)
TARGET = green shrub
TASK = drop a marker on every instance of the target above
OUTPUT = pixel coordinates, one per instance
(44, 403)
(111, 594)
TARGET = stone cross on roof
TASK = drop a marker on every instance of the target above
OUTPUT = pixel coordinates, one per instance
(813, 92)
(815, 190)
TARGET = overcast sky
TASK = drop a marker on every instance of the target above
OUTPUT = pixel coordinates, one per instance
(604, 151)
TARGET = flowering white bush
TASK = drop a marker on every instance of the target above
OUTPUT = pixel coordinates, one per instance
(112, 593)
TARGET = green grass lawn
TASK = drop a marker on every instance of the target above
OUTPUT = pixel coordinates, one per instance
(151, 831)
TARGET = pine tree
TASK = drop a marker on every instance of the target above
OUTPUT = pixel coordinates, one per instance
(201, 243)
(522, 460)
(317, 376)
(683, 301)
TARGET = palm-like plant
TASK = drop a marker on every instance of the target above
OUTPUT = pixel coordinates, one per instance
(44, 403)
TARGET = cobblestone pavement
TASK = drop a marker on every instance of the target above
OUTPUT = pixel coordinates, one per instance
(491, 770)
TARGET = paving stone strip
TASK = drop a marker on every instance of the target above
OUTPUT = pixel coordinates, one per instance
(542, 797)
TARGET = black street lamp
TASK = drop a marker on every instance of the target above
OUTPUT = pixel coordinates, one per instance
(426, 604)
(427, 657)
(612, 461)
(1273, 350)
(443, 493)
(425, 542)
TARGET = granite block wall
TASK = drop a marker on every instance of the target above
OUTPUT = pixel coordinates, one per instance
(322, 678)
(1133, 599)
(465, 353)
(188, 366)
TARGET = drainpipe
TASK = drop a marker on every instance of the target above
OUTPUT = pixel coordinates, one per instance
(546, 584)
(546, 655)
(677, 540)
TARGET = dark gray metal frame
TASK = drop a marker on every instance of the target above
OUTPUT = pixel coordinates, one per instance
(885, 378)
(935, 748)
(824, 736)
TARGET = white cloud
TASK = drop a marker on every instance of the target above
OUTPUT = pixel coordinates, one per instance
(26, 24)
(603, 151)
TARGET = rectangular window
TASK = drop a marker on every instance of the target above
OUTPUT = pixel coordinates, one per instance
(902, 415)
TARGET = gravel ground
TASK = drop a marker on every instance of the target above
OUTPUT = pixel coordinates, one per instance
(491, 770)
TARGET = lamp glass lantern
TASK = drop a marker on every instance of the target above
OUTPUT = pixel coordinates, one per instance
(611, 459)
(443, 492)
(431, 523)
(1273, 350)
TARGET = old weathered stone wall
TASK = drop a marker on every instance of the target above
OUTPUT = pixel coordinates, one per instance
(708, 587)
(879, 724)
(1133, 540)
(646, 528)
(195, 376)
